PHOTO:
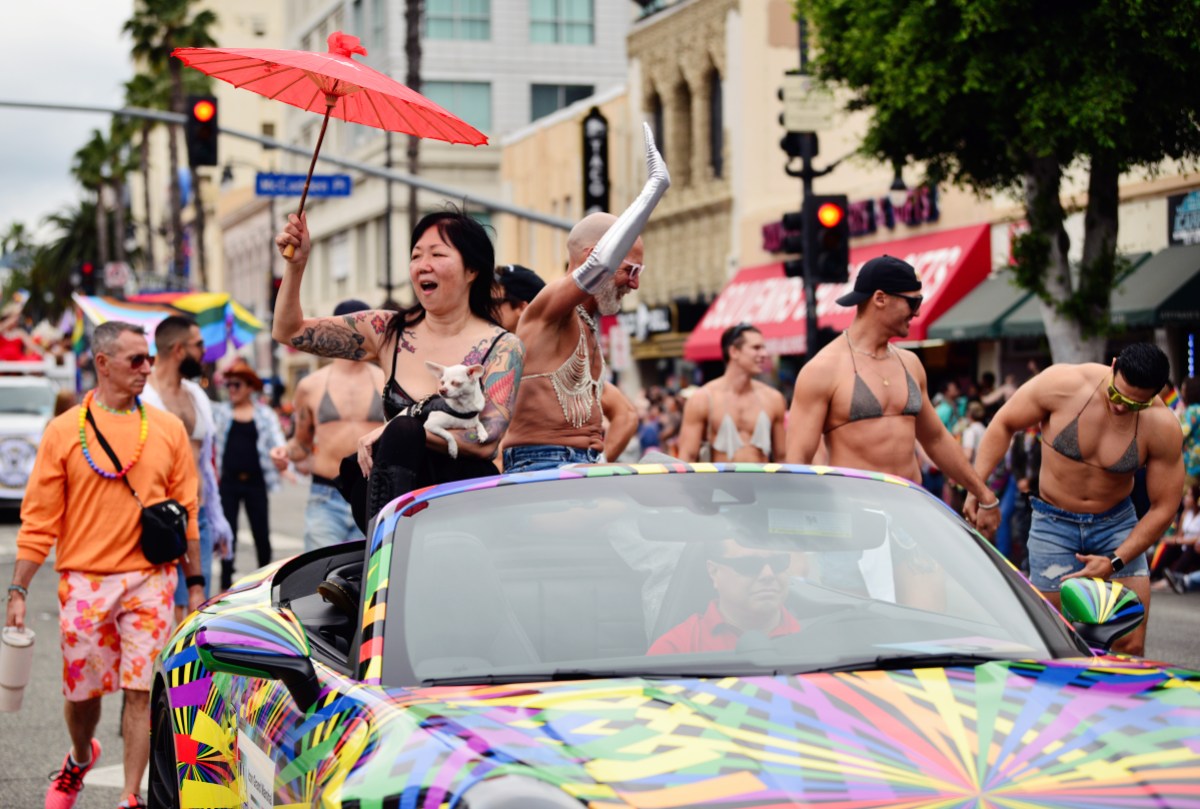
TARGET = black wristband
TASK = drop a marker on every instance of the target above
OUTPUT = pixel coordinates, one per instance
(193, 581)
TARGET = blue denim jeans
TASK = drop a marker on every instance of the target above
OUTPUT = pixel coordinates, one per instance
(206, 551)
(537, 457)
(1056, 535)
(327, 518)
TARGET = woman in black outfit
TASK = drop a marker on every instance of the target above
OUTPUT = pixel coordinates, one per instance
(452, 322)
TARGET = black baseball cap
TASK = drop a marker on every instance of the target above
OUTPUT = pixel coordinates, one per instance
(349, 307)
(885, 274)
(519, 282)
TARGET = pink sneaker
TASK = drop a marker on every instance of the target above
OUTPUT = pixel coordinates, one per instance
(66, 783)
(132, 802)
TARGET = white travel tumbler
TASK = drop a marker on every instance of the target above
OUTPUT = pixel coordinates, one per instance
(16, 664)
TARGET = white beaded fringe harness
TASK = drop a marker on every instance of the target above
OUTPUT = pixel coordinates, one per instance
(573, 384)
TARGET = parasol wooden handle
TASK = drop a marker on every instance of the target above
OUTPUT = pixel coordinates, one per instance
(330, 102)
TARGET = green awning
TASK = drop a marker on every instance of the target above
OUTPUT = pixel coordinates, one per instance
(1134, 300)
(977, 316)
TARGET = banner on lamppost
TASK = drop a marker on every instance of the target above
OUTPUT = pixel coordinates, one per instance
(595, 162)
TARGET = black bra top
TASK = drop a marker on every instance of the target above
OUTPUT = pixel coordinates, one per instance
(327, 410)
(864, 404)
(1066, 444)
(395, 398)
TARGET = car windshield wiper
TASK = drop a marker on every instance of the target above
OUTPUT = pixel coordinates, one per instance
(911, 661)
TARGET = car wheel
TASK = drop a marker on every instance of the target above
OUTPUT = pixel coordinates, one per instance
(163, 791)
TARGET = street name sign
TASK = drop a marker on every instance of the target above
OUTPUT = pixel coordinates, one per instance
(292, 185)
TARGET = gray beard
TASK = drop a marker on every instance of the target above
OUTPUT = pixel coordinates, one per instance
(608, 301)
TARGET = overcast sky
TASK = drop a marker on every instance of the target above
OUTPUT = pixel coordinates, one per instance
(46, 58)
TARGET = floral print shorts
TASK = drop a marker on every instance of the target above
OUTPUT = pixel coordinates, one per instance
(111, 627)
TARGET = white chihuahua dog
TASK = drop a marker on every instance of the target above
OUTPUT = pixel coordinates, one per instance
(461, 402)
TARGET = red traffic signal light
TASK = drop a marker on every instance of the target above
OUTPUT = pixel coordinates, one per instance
(830, 214)
(201, 129)
(827, 238)
(204, 110)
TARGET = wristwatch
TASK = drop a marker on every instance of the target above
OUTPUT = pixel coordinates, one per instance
(1118, 564)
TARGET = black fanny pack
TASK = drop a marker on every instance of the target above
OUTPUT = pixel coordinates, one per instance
(164, 525)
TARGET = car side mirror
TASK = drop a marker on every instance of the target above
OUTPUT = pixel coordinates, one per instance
(1101, 611)
(259, 642)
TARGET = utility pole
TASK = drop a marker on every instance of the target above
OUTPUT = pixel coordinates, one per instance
(800, 141)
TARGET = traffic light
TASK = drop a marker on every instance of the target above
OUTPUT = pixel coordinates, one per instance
(793, 243)
(87, 278)
(827, 238)
(201, 130)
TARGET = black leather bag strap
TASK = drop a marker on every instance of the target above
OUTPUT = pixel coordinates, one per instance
(112, 456)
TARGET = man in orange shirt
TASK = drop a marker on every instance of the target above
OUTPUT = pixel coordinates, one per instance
(115, 607)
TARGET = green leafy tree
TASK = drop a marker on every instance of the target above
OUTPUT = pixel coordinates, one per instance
(90, 169)
(1010, 95)
(158, 27)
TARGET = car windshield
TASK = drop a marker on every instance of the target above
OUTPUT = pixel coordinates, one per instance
(696, 574)
(36, 400)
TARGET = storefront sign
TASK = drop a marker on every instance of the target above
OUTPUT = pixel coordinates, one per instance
(644, 321)
(920, 207)
(1183, 218)
(595, 162)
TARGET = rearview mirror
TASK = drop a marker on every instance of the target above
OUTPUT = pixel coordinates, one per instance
(260, 642)
(1101, 611)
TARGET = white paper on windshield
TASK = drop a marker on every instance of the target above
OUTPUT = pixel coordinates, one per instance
(258, 774)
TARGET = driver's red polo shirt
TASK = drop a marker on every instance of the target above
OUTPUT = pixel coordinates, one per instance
(710, 633)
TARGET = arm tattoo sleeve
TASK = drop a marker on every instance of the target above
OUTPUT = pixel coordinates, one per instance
(331, 338)
(500, 382)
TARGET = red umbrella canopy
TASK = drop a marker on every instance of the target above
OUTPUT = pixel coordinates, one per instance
(333, 83)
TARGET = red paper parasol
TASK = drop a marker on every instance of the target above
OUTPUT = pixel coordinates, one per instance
(334, 84)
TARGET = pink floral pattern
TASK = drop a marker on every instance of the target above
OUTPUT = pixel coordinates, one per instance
(111, 627)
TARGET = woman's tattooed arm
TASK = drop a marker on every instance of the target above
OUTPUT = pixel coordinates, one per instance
(501, 378)
(350, 337)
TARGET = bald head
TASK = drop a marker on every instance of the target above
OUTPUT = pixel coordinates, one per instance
(586, 233)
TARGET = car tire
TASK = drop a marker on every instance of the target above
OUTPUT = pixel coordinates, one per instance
(163, 789)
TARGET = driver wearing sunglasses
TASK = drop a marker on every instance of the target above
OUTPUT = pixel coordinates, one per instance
(1100, 424)
(751, 584)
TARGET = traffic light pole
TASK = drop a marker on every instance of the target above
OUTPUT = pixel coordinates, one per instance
(806, 173)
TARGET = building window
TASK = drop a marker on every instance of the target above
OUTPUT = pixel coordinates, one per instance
(680, 132)
(716, 125)
(546, 98)
(458, 19)
(657, 124)
(469, 100)
(565, 22)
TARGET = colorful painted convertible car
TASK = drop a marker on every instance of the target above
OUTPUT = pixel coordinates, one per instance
(657, 637)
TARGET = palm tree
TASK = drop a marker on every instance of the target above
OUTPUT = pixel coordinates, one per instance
(157, 27)
(121, 163)
(89, 167)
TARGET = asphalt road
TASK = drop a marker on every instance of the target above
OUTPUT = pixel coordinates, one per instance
(34, 740)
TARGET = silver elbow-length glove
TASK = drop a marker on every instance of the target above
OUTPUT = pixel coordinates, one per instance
(608, 253)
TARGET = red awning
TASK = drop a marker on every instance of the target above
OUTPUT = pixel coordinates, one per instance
(950, 264)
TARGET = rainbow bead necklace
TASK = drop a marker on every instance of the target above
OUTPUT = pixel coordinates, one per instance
(83, 411)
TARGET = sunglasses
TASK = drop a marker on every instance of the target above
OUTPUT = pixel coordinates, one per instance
(234, 384)
(137, 360)
(752, 565)
(634, 270)
(914, 301)
(1116, 397)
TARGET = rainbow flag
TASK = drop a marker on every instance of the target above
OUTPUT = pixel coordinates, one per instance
(221, 319)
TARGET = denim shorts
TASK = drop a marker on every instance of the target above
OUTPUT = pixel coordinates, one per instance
(1056, 535)
(327, 518)
(537, 457)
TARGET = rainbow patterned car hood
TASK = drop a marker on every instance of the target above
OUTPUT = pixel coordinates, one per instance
(1086, 733)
